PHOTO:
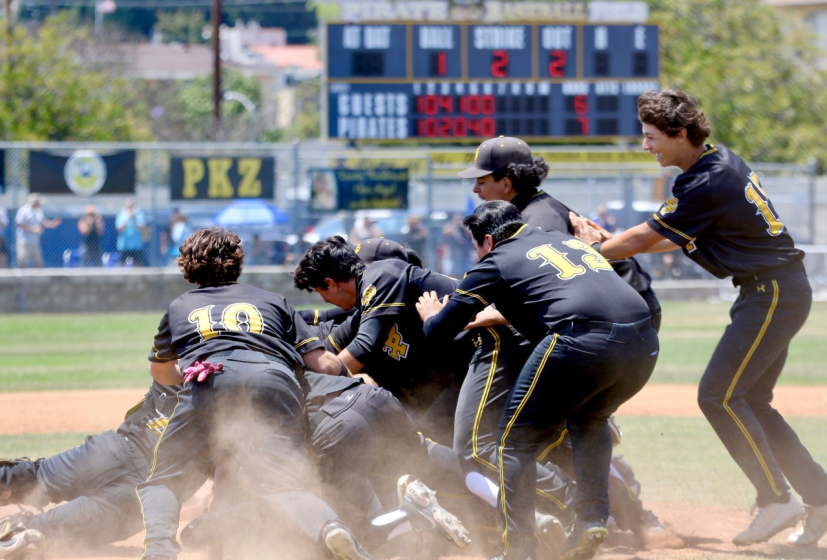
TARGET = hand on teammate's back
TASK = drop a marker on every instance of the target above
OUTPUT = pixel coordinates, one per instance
(200, 371)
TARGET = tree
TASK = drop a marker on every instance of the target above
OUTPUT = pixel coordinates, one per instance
(196, 100)
(755, 74)
(182, 26)
(53, 88)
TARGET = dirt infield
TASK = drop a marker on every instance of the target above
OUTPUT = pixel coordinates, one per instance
(707, 530)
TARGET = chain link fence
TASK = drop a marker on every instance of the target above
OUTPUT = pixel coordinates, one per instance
(102, 231)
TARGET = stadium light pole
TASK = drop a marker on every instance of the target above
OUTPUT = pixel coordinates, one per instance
(216, 79)
(249, 106)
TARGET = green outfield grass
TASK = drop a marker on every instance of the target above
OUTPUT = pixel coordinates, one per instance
(96, 351)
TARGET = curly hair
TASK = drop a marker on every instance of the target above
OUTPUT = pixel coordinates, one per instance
(671, 110)
(211, 256)
(329, 258)
(525, 177)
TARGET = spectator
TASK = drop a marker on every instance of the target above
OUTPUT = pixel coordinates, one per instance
(416, 233)
(30, 223)
(91, 227)
(179, 230)
(364, 229)
(457, 248)
(131, 225)
(166, 234)
(259, 252)
(605, 220)
(4, 251)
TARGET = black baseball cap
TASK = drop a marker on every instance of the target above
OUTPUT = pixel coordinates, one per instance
(496, 154)
(379, 249)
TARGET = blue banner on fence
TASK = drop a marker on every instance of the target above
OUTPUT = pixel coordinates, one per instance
(84, 173)
(361, 189)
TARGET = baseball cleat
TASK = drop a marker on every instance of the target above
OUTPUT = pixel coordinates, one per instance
(583, 541)
(401, 485)
(770, 520)
(654, 535)
(19, 543)
(814, 527)
(340, 541)
(424, 511)
(550, 533)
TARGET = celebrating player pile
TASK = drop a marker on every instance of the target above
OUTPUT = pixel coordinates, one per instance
(331, 434)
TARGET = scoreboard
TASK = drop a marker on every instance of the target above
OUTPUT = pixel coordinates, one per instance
(399, 81)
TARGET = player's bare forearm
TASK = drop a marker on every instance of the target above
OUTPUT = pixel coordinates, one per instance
(166, 373)
(633, 241)
(322, 361)
(487, 318)
(354, 365)
(663, 247)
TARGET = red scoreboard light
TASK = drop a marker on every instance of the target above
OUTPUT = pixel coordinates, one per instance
(539, 81)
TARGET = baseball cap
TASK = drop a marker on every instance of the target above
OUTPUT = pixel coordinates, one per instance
(36, 197)
(379, 249)
(496, 154)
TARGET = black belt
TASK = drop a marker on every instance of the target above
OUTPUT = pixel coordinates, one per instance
(604, 327)
(769, 274)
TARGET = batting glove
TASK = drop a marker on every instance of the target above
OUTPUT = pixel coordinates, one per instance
(200, 371)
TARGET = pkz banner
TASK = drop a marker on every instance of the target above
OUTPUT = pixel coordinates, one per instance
(361, 189)
(221, 178)
(84, 173)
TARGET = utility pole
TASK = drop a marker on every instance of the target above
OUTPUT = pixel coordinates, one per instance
(8, 14)
(216, 79)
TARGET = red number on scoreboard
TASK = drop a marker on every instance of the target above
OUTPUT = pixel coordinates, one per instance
(581, 104)
(557, 66)
(441, 64)
(499, 68)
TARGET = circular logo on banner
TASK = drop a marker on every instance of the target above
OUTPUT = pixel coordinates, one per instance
(85, 172)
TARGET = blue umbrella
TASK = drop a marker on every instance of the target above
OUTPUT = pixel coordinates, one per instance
(250, 212)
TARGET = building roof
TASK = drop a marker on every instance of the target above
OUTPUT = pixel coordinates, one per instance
(305, 57)
(169, 61)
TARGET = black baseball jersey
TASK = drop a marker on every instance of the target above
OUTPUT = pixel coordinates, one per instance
(145, 422)
(544, 211)
(231, 316)
(723, 219)
(334, 315)
(387, 293)
(549, 214)
(541, 281)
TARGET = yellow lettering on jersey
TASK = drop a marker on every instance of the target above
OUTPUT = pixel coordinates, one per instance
(761, 201)
(158, 425)
(250, 186)
(669, 206)
(242, 317)
(367, 295)
(762, 288)
(219, 184)
(203, 322)
(193, 173)
(395, 346)
(593, 259)
(551, 256)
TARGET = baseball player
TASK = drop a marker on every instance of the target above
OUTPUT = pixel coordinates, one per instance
(723, 220)
(96, 479)
(386, 336)
(505, 169)
(595, 347)
(250, 408)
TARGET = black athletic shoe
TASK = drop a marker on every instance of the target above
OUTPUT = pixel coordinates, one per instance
(340, 541)
(584, 539)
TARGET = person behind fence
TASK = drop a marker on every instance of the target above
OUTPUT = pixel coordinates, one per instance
(91, 228)
(4, 251)
(30, 223)
(132, 226)
(179, 230)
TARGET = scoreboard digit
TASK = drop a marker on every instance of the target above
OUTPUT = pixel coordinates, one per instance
(540, 81)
